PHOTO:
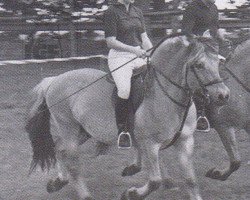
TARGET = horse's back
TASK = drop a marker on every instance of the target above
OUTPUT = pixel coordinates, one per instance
(77, 83)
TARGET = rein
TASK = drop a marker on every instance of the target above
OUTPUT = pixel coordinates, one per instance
(163, 89)
(237, 79)
(166, 144)
(109, 73)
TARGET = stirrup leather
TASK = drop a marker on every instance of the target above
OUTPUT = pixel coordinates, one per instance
(201, 121)
(119, 141)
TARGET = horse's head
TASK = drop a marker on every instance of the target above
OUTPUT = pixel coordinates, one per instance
(203, 63)
(199, 63)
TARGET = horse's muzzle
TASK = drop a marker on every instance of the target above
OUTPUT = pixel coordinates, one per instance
(222, 95)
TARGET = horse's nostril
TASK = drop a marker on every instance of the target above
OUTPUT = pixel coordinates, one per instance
(227, 97)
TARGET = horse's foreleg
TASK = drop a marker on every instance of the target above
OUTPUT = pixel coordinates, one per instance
(135, 167)
(167, 181)
(185, 153)
(227, 135)
(154, 182)
(184, 147)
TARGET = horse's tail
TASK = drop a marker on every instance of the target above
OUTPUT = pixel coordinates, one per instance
(38, 128)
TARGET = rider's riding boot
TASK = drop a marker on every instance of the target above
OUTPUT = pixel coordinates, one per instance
(122, 114)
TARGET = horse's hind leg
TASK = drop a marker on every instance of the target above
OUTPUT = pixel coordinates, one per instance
(154, 182)
(63, 176)
(227, 135)
(69, 156)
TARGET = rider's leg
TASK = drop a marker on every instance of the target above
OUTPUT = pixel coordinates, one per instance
(122, 78)
(122, 108)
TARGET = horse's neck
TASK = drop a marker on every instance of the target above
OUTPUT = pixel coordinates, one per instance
(160, 96)
(171, 63)
(239, 62)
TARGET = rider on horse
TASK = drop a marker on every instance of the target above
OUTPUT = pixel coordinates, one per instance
(200, 16)
(127, 38)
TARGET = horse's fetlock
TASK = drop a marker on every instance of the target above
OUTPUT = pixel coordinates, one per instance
(74, 172)
(191, 183)
(71, 161)
(235, 165)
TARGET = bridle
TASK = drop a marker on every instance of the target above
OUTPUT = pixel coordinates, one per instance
(189, 67)
(186, 88)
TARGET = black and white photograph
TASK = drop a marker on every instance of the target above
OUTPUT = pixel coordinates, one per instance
(125, 100)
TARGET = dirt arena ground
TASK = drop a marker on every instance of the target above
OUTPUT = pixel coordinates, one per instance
(102, 173)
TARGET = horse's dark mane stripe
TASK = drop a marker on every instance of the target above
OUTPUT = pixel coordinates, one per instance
(241, 46)
(164, 39)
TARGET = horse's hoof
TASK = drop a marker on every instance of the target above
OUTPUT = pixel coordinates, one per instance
(54, 186)
(130, 195)
(170, 184)
(131, 170)
(215, 174)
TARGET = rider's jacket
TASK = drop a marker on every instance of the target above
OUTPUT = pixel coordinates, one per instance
(126, 26)
(198, 17)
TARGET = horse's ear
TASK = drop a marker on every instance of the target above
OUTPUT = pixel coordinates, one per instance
(189, 41)
(207, 34)
(186, 41)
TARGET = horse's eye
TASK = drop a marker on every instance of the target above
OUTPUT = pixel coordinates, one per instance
(200, 66)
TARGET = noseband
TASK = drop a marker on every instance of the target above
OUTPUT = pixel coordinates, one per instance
(203, 85)
(187, 90)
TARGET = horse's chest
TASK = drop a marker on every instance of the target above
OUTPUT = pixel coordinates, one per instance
(157, 119)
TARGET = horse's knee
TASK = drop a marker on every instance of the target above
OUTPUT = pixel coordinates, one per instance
(235, 165)
(186, 144)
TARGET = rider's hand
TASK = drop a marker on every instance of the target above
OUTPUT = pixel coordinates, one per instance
(141, 53)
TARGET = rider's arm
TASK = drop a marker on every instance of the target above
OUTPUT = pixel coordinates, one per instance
(110, 28)
(146, 43)
(113, 43)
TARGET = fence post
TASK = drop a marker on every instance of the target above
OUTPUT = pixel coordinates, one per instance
(73, 51)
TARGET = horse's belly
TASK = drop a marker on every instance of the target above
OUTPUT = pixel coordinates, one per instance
(94, 110)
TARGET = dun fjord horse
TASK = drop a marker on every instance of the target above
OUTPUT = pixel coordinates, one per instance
(236, 114)
(178, 67)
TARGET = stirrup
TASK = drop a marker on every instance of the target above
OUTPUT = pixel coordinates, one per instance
(124, 140)
(203, 124)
